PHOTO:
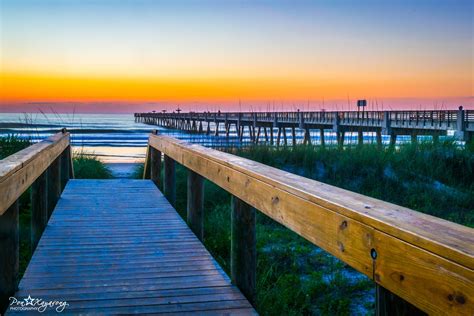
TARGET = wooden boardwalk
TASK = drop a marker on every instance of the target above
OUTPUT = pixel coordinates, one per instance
(119, 247)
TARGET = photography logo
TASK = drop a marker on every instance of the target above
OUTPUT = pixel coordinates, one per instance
(36, 304)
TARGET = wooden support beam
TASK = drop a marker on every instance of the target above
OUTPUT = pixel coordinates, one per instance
(278, 136)
(389, 304)
(321, 136)
(271, 135)
(307, 137)
(54, 185)
(360, 137)
(155, 166)
(265, 133)
(293, 134)
(285, 140)
(146, 167)
(39, 208)
(9, 254)
(195, 209)
(170, 180)
(243, 248)
(340, 138)
(65, 159)
(378, 135)
(393, 139)
(250, 133)
(71, 163)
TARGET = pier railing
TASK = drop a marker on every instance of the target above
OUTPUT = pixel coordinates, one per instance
(391, 123)
(418, 262)
(405, 116)
(45, 167)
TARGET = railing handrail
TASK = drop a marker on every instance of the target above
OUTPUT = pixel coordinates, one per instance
(20, 170)
(425, 260)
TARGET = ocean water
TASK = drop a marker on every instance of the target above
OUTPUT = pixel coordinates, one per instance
(117, 138)
(114, 138)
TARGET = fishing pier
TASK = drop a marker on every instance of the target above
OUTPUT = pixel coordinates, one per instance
(278, 127)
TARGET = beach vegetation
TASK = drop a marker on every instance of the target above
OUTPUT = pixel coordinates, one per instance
(89, 166)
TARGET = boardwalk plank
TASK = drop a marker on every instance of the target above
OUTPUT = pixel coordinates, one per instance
(117, 246)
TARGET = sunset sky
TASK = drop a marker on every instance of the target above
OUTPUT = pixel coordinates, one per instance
(219, 52)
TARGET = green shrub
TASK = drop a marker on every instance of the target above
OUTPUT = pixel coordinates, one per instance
(138, 171)
(10, 144)
(89, 167)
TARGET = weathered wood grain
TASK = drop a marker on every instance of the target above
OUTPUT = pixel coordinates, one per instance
(20, 170)
(39, 208)
(65, 159)
(169, 183)
(105, 259)
(388, 304)
(195, 204)
(434, 256)
(155, 166)
(243, 253)
(146, 166)
(54, 184)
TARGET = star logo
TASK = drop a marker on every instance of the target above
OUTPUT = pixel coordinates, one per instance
(29, 301)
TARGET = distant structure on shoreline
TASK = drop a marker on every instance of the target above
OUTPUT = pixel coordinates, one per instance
(393, 123)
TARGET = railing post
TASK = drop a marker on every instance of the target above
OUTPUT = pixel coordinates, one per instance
(155, 166)
(389, 304)
(9, 254)
(386, 123)
(54, 184)
(170, 180)
(243, 248)
(146, 166)
(460, 133)
(71, 163)
(300, 119)
(39, 209)
(195, 209)
(65, 161)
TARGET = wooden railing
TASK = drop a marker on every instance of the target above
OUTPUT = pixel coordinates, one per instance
(430, 117)
(417, 261)
(45, 167)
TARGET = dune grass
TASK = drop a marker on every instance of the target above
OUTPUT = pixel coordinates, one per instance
(89, 167)
(10, 144)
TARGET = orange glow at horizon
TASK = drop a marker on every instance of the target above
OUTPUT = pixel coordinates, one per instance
(32, 87)
(200, 52)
